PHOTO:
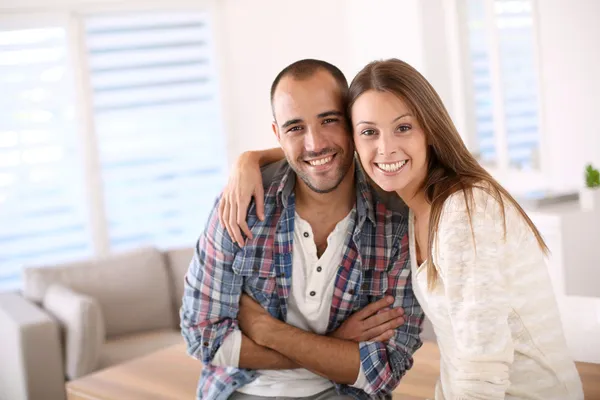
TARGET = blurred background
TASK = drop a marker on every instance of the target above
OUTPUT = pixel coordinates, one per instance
(119, 119)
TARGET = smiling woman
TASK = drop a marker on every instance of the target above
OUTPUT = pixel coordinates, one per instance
(391, 144)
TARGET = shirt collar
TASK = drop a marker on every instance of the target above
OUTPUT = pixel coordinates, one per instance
(364, 192)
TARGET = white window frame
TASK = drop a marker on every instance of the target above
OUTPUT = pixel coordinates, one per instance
(71, 14)
(457, 22)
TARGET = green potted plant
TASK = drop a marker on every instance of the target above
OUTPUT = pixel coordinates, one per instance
(589, 198)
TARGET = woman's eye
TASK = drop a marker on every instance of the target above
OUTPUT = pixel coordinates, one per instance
(368, 132)
(404, 128)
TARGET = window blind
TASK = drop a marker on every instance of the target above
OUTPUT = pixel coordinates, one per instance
(519, 81)
(158, 125)
(43, 218)
(513, 23)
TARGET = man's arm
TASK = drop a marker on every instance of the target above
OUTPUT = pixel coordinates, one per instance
(323, 355)
(385, 363)
(211, 303)
(332, 358)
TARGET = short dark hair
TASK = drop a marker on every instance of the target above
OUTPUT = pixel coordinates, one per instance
(304, 69)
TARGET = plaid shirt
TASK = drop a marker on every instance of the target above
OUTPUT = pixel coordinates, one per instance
(375, 263)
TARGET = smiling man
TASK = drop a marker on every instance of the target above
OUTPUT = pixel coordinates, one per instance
(317, 304)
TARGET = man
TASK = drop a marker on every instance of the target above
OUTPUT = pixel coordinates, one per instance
(314, 322)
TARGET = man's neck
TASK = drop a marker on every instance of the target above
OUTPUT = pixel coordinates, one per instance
(337, 202)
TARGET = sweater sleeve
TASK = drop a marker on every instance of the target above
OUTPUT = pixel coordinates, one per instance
(471, 249)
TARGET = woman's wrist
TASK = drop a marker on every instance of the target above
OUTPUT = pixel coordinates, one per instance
(250, 158)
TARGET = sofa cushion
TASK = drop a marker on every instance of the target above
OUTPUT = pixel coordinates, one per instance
(81, 320)
(132, 288)
(178, 262)
(128, 347)
(31, 360)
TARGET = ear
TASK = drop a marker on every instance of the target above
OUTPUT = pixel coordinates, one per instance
(275, 130)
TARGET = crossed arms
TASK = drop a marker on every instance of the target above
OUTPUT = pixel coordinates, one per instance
(214, 307)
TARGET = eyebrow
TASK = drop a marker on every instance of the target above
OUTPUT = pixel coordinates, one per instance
(395, 119)
(331, 113)
(291, 122)
(402, 116)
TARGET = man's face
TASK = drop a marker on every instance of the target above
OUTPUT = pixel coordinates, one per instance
(312, 130)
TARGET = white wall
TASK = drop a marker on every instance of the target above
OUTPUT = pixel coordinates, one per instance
(261, 37)
(569, 37)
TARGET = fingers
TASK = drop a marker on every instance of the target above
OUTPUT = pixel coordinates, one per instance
(225, 217)
(235, 232)
(382, 317)
(221, 209)
(384, 337)
(241, 216)
(259, 197)
(374, 307)
(389, 326)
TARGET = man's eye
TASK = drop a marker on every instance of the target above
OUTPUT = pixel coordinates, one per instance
(330, 120)
(295, 129)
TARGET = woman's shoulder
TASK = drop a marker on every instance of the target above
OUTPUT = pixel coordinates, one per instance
(481, 198)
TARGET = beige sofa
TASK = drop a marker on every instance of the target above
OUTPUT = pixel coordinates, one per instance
(74, 319)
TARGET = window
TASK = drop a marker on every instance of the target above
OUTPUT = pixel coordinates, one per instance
(42, 211)
(157, 122)
(501, 53)
(153, 150)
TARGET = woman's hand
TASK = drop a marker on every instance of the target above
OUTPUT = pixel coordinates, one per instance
(244, 183)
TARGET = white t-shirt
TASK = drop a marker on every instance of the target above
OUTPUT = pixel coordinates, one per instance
(309, 307)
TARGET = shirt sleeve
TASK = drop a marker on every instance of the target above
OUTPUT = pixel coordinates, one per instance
(211, 293)
(361, 380)
(384, 364)
(228, 354)
(470, 253)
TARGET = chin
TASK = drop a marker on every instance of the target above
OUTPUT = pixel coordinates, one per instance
(390, 185)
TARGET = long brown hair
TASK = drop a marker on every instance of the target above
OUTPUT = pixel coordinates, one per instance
(451, 167)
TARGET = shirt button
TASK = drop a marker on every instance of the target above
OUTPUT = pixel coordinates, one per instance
(313, 293)
(319, 269)
(306, 234)
(205, 344)
(351, 291)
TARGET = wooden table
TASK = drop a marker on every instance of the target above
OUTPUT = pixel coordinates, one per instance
(170, 374)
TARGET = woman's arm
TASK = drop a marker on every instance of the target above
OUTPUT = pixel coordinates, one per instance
(245, 182)
(268, 156)
(472, 266)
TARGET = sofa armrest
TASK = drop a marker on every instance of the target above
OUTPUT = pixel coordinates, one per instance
(81, 320)
(31, 366)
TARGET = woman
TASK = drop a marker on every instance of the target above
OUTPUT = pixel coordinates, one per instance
(477, 259)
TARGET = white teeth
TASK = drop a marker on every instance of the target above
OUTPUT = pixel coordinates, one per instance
(321, 161)
(393, 167)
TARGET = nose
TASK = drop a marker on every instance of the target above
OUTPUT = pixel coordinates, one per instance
(385, 145)
(314, 140)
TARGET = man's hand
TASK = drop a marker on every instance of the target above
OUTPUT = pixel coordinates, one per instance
(253, 319)
(371, 324)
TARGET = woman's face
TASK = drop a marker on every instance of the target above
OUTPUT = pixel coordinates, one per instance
(390, 142)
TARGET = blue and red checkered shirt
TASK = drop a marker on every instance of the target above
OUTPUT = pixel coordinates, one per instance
(375, 263)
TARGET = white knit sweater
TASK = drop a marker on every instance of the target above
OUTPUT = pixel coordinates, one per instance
(493, 309)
